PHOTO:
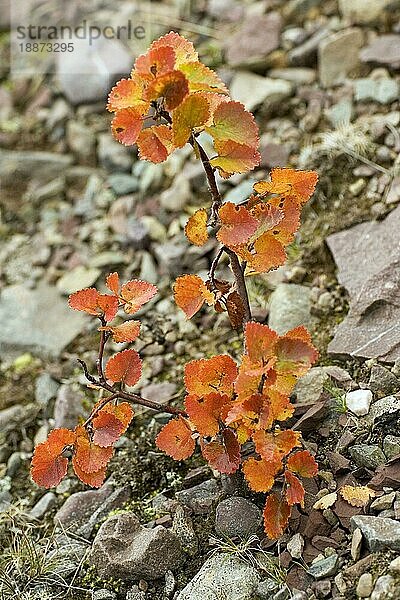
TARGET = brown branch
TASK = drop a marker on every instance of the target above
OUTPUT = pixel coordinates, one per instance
(212, 184)
(238, 273)
(214, 264)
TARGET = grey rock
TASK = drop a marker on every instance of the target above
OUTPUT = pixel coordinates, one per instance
(45, 388)
(384, 588)
(359, 401)
(182, 526)
(369, 268)
(137, 234)
(159, 392)
(369, 456)
(18, 165)
(68, 554)
(305, 54)
(364, 11)
(384, 406)
(252, 89)
(273, 154)
(113, 156)
(222, 576)
(326, 567)
(393, 194)
(170, 256)
(37, 321)
(123, 184)
(338, 56)
(253, 40)
(384, 50)
(100, 64)
(14, 463)
(81, 140)
(295, 546)
(104, 595)
(267, 589)
(383, 91)
(391, 446)
(297, 8)
(384, 502)
(380, 533)
(201, 497)
(365, 585)
(177, 196)
(134, 593)
(382, 382)
(237, 517)
(290, 306)
(124, 549)
(68, 406)
(309, 388)
(83, 510)
(14, 416)
(77, 279)
(298, 76)
(46, 503)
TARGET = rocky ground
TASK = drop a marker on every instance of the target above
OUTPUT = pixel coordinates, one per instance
(322, 79)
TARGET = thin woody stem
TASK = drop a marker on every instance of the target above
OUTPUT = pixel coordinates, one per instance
(238, 273)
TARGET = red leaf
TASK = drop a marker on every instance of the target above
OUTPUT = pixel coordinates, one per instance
(135, 293)
(95, 479)
(155, 143)
(173, 87)
(223, 454)
(108, 305)
(127, 93)
(260, 474)
(175, 439)
(235, 309)
(155, 62)
(184, 50)
(237, 224)
(124, 367)
(89, 457)
(126, 126)
(276, 516)
(294, 491)
(281, 443)
(209, 375)
(48, 464)
(205, 413)
(302, 463)
(111, 422)
(295, 352)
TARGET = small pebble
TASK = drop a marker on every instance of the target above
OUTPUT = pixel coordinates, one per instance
(359, 401)
(364, 585)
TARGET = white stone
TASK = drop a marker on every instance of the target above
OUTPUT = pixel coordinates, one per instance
(252, 89)
(359, 401)
(363, 11)
(295, 546)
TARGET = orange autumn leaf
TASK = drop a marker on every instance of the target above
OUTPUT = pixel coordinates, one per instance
(202, 79)
(357, 495)
(155, 143)
(276, 516)
(235, 309)
(260, 474)
(126, 332)
(234, 158)
(196, 228)
(172, 87)
(48, 464)
(205, 412)
(302, 463)
(266, 253)
(95, 479)
(90, 457)
(237, 224)
(126, 126)
(175, 439)
(295, 352)
(278, 443)
(135, 293)
(233, 123)
(294, 490)
(124, 367)
(157, 61)
(190, 293)
(209, 375)
(298, 185)
(259, 341)
(112, 282)
(89, 300)
(127, 93)
(183, 48)
(223, 454)
(192, 113)
(111, 422)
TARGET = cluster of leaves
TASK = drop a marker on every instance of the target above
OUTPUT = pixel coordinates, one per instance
(228, 406)
(257, 231)
(91, 444)
(178, 97)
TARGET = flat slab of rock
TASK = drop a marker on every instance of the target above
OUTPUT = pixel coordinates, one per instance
(254, 40)
(37, 321)
(222, 576)
(379, 533)
(21, 165)
(367, 257)
(384, 50)
(124, 549)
